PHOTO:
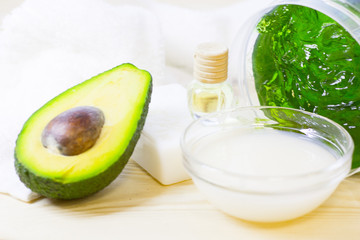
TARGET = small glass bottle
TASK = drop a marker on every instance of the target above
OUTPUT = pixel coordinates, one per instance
(209, 91)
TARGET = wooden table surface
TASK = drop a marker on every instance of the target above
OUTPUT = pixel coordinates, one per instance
(135, 206)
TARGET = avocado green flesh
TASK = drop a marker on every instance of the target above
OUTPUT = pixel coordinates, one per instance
(123, 94)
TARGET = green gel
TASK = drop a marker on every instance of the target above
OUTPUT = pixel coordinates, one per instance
(304, 59)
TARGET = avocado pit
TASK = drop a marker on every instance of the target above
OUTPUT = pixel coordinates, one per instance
(73, 131)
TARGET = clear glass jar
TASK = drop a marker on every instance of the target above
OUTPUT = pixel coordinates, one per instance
(345, 12)
(343, 105)
(210, 91)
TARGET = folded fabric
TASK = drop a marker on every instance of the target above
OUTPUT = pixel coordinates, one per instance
(49, 46)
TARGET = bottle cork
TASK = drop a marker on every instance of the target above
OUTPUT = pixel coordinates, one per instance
(211, 62)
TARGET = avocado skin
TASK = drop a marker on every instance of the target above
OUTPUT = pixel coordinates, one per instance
(52, 189)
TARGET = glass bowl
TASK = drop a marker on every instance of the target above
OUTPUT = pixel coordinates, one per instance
(266, 164)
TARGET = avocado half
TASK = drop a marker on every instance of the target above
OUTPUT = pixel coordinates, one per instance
(123, 95)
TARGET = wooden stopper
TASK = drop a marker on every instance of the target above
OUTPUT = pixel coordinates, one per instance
(211, 62)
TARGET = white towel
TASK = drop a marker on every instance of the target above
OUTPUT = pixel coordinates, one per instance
(49, 46)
